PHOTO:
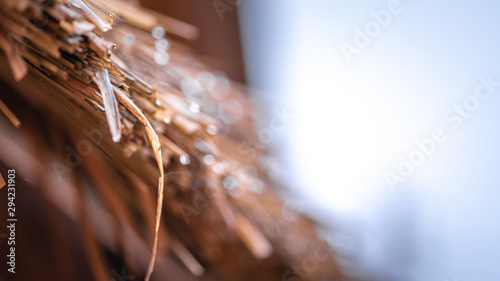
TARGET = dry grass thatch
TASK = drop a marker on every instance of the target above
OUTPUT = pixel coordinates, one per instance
(142, 114)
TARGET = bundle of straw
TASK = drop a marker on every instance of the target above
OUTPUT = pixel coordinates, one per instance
(143, 113)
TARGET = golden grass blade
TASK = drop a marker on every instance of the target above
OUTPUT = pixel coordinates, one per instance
(155, 143)
(9, 114)
(16, 62)
(95, 258)
(187, 258)
(2, 181)
(93, 15)
(257, 243)
(110, 104)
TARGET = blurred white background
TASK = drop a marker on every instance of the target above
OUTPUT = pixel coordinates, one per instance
(356, 115)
